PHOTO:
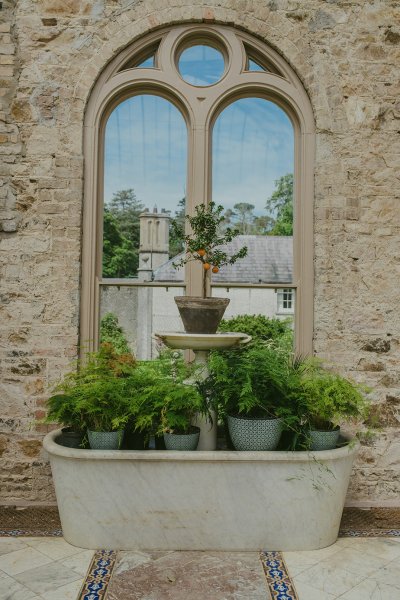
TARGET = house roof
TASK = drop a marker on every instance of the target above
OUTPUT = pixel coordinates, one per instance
(269, 260)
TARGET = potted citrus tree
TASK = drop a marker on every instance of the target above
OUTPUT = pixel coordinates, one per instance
(204, 244)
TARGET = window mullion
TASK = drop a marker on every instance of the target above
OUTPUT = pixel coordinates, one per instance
(197, 194)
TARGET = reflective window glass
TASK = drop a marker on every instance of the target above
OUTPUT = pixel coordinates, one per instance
(148, 63)
(252, 171)
(252, 65)
(201, 65)
(145, 165)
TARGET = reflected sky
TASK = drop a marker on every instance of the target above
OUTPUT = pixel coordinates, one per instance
(254, 66)
(201, 65)
(146, 149)
(253, 146)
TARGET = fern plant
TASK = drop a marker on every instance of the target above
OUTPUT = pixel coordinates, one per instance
(329, 399)
(254, 381)
(95, 395)
(163, 400)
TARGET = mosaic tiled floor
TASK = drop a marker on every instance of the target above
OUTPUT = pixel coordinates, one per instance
(356, 567)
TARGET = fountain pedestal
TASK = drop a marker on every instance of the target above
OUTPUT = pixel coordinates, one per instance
(201, 344)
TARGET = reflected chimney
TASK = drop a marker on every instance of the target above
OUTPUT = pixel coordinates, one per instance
(154, 242)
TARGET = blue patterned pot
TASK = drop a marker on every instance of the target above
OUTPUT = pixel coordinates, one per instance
(324, 440)
(105, 440)
(182, 441)
(254, 433)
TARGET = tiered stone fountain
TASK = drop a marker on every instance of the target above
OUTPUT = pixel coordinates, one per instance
(202, 344)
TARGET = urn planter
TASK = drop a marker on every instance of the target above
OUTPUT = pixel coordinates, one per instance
(204, 500)
(201, 315)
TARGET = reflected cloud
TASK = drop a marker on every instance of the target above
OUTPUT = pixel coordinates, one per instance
(253, 146)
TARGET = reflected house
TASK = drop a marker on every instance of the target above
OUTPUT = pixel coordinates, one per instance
(144, 310)
(269, 260)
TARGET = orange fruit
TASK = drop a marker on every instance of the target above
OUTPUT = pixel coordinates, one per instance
(201, 252)
(215, 269)
(206, 266)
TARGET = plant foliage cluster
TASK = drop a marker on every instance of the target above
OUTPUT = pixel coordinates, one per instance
(110, 389)
(259, 327)
(266, 379)
(112, 333)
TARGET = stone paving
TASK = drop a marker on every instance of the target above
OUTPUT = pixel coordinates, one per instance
(43, 568)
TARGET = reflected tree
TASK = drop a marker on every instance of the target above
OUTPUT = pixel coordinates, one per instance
(177, 229)
(121, 232)
(280, 204)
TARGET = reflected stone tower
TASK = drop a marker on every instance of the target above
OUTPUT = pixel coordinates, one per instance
(153, 252)
(154, 242)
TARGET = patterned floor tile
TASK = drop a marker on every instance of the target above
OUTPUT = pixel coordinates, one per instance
(79, 562)
(22, 560)
(65, 592)
(307, 592)
(389, 574)
(10, 589)
(329, 578)
(47, 578)
(385, 548)
(10, 545)
(370, 589)
(53, 548)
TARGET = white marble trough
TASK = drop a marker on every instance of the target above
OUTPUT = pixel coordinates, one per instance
(204, 500)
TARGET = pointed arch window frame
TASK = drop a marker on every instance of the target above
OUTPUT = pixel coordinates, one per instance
(200, 109)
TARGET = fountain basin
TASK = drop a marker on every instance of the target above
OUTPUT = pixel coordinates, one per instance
(202, 341)
(218, 500)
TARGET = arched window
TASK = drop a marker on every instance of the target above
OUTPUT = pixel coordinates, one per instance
(183, 116)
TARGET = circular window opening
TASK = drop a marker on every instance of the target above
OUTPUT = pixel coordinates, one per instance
(201, 65)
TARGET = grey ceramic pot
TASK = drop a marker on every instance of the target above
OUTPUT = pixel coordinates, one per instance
(254, 433)
(324, 440)
(105, 440)
(182, 441)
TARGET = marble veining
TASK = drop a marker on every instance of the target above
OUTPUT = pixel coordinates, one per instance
(192, 501)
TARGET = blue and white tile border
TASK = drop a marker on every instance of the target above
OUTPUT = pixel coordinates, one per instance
(369, 533)
(278, 579)
(30, 533)
(98, 576)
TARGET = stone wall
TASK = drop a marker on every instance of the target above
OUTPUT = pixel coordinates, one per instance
(347, 54)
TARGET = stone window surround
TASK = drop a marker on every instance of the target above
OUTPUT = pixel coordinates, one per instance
(200, 107)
